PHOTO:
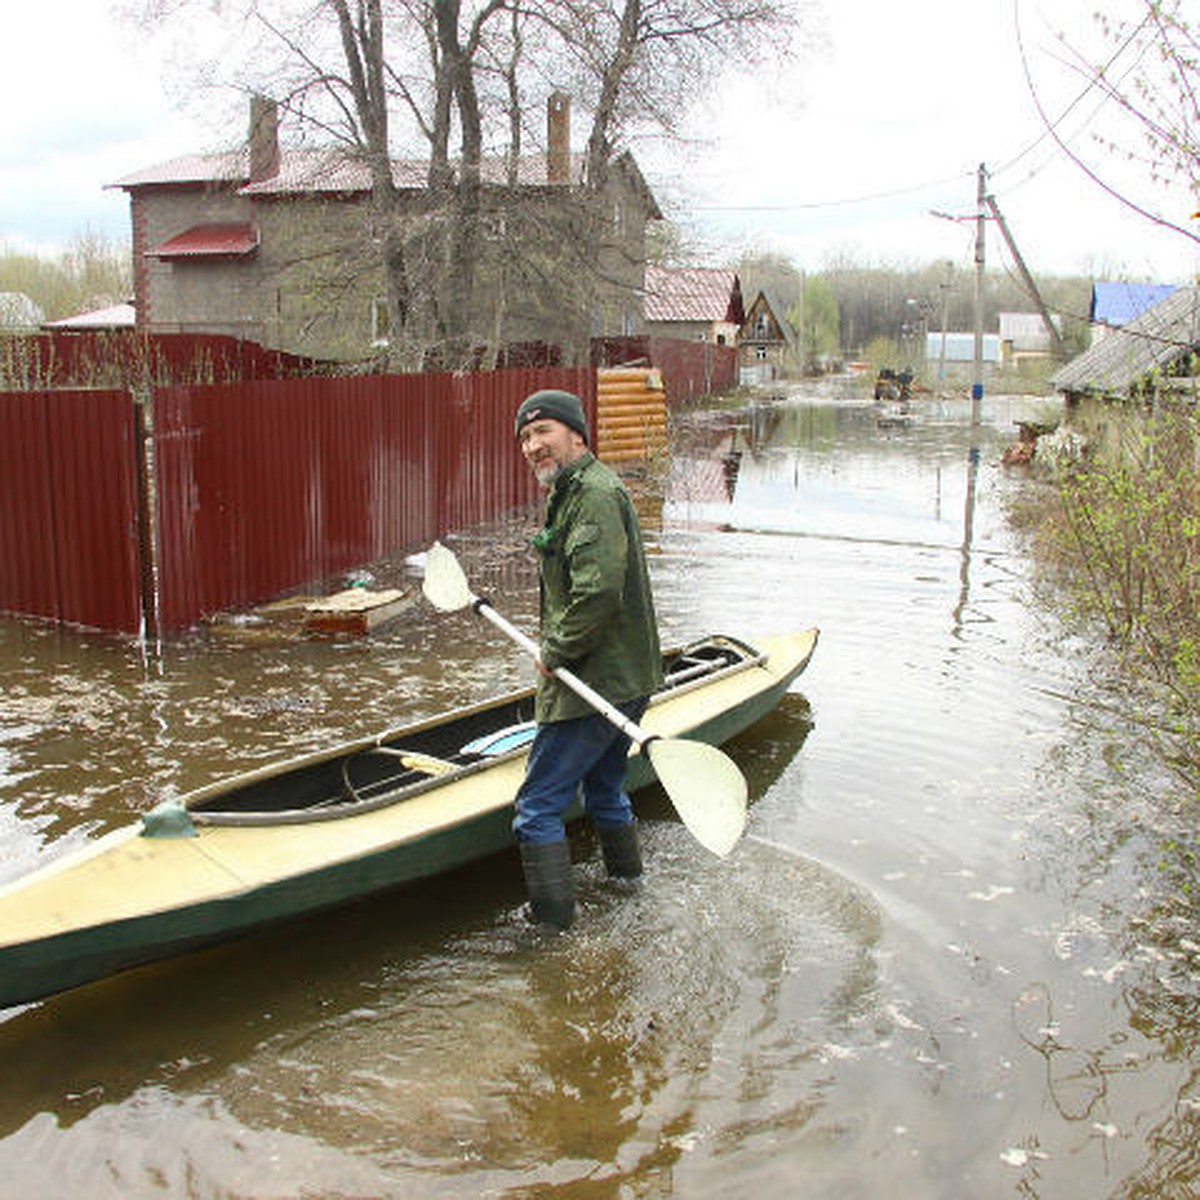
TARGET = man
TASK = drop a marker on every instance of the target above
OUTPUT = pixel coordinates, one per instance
(597, 620)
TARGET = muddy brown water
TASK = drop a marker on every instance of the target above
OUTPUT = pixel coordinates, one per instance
(946, 960)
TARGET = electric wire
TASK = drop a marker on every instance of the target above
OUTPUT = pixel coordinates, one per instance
(1054, 129)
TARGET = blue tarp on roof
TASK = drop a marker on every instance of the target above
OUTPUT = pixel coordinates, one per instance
(1152, 341)
(1118, 303)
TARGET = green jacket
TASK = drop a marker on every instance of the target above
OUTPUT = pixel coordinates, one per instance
(597, 613)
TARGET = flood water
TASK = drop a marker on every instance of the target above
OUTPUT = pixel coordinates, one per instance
(949, 958)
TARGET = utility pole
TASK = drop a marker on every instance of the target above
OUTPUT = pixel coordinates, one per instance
(1027, 279)
(980, 226)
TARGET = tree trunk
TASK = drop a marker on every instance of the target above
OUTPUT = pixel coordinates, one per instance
(363, 47)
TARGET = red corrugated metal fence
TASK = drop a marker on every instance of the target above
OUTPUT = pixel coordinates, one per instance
(68, 508)
(131, 358)
(262, 486)
(689, 370)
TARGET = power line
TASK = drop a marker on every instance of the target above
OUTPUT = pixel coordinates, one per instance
(844, 202)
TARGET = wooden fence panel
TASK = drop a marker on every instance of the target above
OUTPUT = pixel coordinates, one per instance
(68, 508)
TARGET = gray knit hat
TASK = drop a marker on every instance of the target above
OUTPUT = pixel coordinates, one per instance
(560, 406)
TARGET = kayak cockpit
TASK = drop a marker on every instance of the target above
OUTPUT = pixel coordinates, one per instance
(359, 777)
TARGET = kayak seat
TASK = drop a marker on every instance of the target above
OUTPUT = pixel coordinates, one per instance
(415, 767)
(501, 741)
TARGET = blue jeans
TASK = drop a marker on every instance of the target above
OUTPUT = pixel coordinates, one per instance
(585, 753)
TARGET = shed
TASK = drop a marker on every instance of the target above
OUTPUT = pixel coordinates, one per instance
(960, 348)
(1160, 339)
(1023, 336)
(115, 316)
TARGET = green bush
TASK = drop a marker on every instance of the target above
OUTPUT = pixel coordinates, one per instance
(1123, 539)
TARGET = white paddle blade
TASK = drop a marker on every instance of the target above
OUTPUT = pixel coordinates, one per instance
(706, 788)
(445, 586)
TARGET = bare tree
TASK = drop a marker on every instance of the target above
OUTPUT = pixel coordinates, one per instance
(454, 82)
(1150, 81)
(362, 41)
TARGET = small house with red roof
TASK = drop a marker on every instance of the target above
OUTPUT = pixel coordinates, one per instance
(694, 303)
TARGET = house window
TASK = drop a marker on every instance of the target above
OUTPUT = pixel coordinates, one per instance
(760, 352)
(381, 326)
(760, 326)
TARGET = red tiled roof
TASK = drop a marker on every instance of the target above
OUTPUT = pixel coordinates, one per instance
(233, 240)
(693, 294)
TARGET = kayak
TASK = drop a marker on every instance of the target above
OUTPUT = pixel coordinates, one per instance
(334, 825)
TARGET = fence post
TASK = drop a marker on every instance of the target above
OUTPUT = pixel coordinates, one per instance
(142, 422)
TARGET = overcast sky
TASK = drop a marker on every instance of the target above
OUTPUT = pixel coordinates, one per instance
(847, 154)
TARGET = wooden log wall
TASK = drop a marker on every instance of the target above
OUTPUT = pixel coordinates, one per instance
(631, 414)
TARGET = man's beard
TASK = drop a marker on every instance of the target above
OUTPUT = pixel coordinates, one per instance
(547, 471)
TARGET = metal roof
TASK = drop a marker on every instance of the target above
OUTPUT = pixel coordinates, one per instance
(328, 170)
(1154, 339)
(1025, 330)
(116, 316)
(233, 239)
(341, 171)
(693, 294)
(959, 347)
(1116, 303)
(231, 167)
(331, 170)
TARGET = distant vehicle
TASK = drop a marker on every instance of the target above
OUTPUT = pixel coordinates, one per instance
(893, 386)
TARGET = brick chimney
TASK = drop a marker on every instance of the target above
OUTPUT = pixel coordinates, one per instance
(263, 141)
(558, 138)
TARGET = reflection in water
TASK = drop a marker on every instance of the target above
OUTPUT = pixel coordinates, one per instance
(968, 531)
(943, 962)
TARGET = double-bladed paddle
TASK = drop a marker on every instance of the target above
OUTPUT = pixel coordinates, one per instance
(703, 783)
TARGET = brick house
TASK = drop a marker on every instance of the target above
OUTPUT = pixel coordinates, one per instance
(280, 245)
(694, 303)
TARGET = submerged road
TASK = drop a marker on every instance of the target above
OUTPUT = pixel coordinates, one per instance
(947, 960)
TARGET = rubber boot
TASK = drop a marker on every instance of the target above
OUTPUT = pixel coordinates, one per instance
(619, 845)
(550, 883)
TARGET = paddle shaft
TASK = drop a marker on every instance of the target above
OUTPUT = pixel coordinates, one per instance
(704, 785)
(632, 730)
